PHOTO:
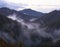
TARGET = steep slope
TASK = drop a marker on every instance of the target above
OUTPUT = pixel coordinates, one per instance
(17, 34)
(9, 31)
(51, 23)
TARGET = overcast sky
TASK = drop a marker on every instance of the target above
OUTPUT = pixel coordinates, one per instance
(38, 5)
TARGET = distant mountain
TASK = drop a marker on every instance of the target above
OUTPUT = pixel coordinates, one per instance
(32, 12)
(50, 18)
(7, 12)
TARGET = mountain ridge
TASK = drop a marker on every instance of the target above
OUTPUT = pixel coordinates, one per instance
(32, 12)
(27, 17)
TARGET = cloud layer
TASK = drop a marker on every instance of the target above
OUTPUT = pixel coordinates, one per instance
(39, 5)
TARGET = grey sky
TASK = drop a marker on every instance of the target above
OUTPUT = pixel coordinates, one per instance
(38, 5)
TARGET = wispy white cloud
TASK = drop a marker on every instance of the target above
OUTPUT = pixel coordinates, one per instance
(12, 5)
